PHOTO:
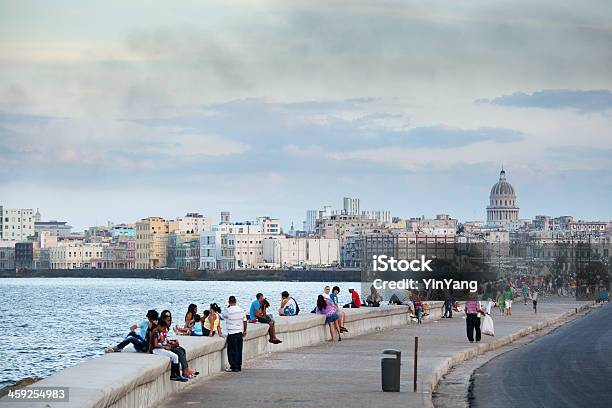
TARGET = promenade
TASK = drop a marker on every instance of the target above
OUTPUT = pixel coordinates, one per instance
(348, 373)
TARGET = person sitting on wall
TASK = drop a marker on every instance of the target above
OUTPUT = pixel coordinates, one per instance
(288, 306)
(175, 347)
(334, 299)
(196, 329)
(159, 345)
(355, 300)
(374, 298)
(211, 325)
(189, 320)
(138, 340)
(257, 313)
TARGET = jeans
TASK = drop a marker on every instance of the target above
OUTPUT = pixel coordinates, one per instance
(166, 353)
(473, 323)
(448, 310)
(136, 340)
(234, 350)
(182, 356)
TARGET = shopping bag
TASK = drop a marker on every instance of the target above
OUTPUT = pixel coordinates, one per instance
(487, 326)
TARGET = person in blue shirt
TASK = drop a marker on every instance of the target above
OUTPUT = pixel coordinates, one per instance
(257, 312)
(138, 340)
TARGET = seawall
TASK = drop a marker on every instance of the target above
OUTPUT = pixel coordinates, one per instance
(127, 380)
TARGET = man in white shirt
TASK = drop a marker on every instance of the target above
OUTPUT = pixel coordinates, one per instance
(236, 328)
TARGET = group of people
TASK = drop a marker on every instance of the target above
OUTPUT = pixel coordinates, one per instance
(156, 334)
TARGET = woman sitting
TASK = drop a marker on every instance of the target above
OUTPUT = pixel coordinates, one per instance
(175, 347)
(211, 323)
(327, 309)
(160, 346)
(192, 310)
(334, 299)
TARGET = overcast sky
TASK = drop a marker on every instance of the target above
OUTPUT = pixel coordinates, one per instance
(118, 110)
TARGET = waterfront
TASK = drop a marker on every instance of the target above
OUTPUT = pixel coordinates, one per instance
(56, 323)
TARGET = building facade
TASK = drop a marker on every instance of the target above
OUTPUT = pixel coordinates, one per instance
(184, 250)
(351, 206)
(287, 252)
(55, 228)
(152, 242)
(16, 224)
(76, 256)
(193, 223)
(502, 209)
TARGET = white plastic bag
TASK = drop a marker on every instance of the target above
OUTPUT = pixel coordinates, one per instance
(487, 326)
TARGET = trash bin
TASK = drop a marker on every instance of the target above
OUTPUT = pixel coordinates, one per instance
(390, 370)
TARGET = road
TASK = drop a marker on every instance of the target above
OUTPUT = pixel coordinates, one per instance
(571, 367)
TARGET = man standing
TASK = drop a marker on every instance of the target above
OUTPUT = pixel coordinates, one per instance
(472, 321)
(236, 327)
(525, 292)
(508, 300)
(448, 307)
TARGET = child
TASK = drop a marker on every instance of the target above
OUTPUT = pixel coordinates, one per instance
(196, 329)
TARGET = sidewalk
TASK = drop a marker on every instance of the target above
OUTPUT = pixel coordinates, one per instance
(348, 373)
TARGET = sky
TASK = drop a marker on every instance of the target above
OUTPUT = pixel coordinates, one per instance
(119, 110)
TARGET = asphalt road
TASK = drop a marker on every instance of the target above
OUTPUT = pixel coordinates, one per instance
(571, 367)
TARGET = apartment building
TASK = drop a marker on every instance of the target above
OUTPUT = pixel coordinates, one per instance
(76, 256)
(152, 242)
(286, 252)
(16, 224)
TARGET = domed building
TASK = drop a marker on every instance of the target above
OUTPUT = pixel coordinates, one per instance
(502, 209)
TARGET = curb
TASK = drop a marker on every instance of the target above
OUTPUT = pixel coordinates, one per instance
(459, 358)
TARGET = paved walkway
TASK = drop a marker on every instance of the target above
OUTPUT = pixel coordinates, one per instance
(348, 373)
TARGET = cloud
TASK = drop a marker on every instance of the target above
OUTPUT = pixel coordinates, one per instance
(583, 101)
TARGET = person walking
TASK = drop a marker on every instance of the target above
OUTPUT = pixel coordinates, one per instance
(508, 300)
(472, 321)
(534, 299)
(236, 328)
(448, 307)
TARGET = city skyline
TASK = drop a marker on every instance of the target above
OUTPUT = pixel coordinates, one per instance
(116, 111)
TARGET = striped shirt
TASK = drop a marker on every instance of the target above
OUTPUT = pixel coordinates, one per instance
(234, 316)
(472, 307)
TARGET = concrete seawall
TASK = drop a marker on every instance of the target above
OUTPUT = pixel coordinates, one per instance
(127, 380)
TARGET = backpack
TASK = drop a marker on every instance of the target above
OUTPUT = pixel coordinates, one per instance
(297, 307)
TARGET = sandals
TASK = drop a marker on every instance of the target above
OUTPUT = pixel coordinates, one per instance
(112, 350)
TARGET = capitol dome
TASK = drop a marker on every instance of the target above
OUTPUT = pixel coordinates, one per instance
(502, 209)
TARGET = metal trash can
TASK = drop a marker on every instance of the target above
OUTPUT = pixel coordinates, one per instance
(390, 370)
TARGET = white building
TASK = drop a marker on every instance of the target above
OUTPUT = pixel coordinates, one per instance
(502, 209)
(285, 252)
(247, 250)
(383, 217)
(76, 256)
(193, 223)
(16, 224)
(442, 225)
(269, 226)
(217, 247)
(351, 206)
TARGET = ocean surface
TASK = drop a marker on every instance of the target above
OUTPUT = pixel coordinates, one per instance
(53, 323)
